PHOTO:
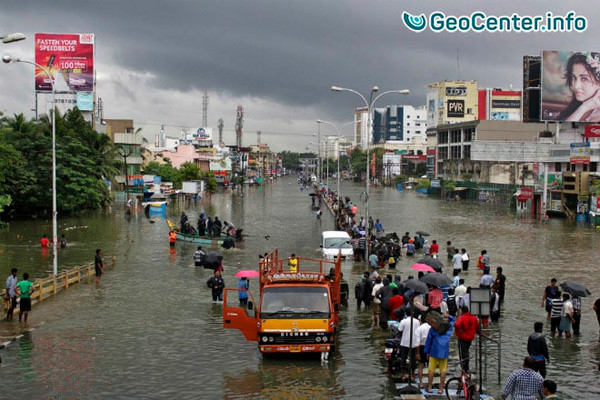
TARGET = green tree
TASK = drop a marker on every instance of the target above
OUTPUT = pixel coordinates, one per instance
(289, 160)
(189, 172)
(210, 179)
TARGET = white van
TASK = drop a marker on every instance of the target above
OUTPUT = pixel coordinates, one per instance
(333, 242)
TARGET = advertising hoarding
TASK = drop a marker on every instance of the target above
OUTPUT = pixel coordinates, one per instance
(203, 134)
(569, 80)
(68, 56)
(592, 131)
(580, 153)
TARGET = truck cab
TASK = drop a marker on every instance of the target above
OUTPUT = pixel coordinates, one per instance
(295, 313)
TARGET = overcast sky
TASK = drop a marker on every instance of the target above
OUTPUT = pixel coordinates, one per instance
(278, 58)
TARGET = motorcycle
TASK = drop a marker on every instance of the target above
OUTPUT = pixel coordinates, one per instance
(392, 349)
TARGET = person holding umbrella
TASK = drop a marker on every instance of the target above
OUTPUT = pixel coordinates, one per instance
(577, 290)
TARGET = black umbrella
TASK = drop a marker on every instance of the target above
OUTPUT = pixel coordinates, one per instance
(436, 279)
(212, 260)
(423, 233)
(416, 285)
(433, 263)
(575, 288)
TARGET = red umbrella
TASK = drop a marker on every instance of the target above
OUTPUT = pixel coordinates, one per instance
(422, 267)
(247, 273)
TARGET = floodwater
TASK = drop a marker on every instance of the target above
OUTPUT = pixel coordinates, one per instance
(151, 330)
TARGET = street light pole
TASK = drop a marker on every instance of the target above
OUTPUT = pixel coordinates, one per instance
(339, 135)
(369, 104)
(7, 59)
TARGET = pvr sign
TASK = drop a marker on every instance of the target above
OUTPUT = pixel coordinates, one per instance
(456, 108)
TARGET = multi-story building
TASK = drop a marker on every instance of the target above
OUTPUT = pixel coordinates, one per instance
(399, 124)
(499, 104)
(129, 147)
(451, 102)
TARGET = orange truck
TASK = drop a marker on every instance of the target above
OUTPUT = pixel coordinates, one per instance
(297, 312)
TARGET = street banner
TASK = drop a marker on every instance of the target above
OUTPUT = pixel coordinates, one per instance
(69, 57)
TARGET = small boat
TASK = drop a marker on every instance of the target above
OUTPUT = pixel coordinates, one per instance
(206, 240)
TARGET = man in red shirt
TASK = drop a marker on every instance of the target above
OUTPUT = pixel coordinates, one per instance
(44, 241)
(434, 249)
(466, 326)
(396, 301)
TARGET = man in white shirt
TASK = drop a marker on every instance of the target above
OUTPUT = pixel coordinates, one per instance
(422, 358)
(461, 289)
(456, 263)
(406, 344)
(376, 302)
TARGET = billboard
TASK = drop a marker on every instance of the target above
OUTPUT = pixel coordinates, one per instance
(580, 153)
(592, 131)
(570, 82)
(67, 56)
(531, 88)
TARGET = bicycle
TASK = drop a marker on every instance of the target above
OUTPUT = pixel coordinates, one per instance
(463, 386)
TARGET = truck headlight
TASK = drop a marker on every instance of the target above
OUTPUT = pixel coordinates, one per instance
(318, 339)
(265, 339)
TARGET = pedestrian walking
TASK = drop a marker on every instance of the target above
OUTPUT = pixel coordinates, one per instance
(376, 304)
(216, 284)
(465, 259)
(243, 285)
(172, 238)
(537, 348)
(494, 305)
(434, 249)
(566, 319)
(550, 293)
(450, 250)
(576, 301)
(500, 283)
(524, 383)
(98, 265)
(466, 327)
(11, 294)
(456, 263)
(362, 291)
(408, 345)
(437, 346)
(422, 357)
(556, 314)
(24, 290)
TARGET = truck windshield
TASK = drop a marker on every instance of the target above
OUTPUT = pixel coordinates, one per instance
(295, 302)
(337, 243)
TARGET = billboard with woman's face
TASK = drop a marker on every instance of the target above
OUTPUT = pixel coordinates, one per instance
(570, 86)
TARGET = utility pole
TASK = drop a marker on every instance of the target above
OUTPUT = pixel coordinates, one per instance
(258, 138)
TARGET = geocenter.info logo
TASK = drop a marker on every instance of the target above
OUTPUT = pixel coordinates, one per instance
(481, 22)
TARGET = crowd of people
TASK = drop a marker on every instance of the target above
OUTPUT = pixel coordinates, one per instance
(388, 298)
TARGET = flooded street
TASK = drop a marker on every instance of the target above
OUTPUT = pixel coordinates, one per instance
(151, 330)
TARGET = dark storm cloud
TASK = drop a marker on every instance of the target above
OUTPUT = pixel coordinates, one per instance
(291, 52)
